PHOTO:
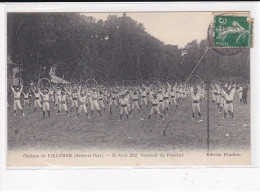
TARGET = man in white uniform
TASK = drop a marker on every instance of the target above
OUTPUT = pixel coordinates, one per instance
(195, 96)
(46, 103)
(229, 95)
(123, 101)
(94, 102)
(155, 107)
(161, 103)
(17, 102)
(82, 97)
(63, 103)
(101, 98)
(240, 91)
(112, 100)
(26, 98)
(37, 99)
(74, 100)
(135, 99)
(173, 97)
(144, 100)
(58, 97)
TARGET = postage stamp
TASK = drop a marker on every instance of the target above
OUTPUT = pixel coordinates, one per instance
(233, 31)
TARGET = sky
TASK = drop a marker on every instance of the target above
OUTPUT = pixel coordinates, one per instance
(177, 28)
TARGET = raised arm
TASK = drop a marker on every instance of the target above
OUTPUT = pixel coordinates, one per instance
(233, 92)
(200, 89)
(191, 90)
(40, 92)
(12, 89)
(21, 89)
(175, 86)
(223, 92)
(169, 86)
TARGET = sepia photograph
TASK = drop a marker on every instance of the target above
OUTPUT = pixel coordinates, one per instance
(128, 88)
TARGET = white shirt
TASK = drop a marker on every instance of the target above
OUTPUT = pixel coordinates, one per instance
(63, 98)
(195, 97)
(45, 97)
(123, 101)
(82, 99)
(230, 96)
(154, 100)
(37, 95)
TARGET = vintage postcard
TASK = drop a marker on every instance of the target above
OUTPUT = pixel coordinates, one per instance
(139, 89)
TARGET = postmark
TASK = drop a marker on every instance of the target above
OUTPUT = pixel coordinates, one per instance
(220, 50)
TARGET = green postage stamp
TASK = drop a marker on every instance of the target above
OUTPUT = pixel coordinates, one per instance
(233, 31)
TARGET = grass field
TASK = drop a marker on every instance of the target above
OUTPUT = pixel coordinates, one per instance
(107, 132)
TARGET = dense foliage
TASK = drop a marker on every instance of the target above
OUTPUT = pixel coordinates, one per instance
(118, 48)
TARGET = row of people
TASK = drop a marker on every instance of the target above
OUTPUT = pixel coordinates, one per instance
(159, 99)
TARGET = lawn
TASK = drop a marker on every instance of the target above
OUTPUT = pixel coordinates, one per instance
(107, 132)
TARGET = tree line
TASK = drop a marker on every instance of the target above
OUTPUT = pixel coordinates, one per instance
(118, 48)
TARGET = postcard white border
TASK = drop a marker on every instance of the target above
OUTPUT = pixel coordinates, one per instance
(177, 178)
